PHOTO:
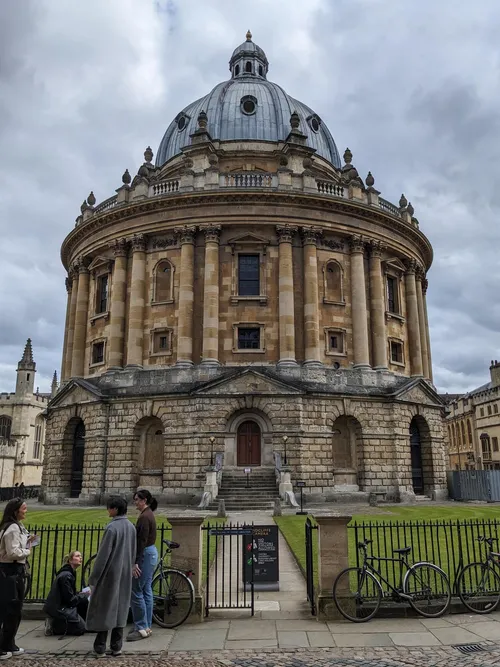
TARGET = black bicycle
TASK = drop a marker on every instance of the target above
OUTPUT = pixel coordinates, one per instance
(173, 590)
(478, 584)
(358, 593)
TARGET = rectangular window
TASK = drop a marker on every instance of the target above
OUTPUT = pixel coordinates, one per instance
(489, 409)
(161, 342)
(494, 442)
(396, 352)
(482, 412)
(101, 305)
(37, 449)
(248, 275)
(248, 338)
(392, 295)
(98, 353)
(335, 342)
(495, 408)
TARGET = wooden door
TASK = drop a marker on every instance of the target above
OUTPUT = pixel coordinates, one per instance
(76, 480)
(249, 444)
(417, 468)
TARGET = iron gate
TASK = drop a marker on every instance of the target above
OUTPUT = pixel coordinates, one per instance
(229, 567)
(309, 528)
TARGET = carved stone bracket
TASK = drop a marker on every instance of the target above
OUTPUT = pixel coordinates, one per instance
(332, 244)
(119, 247)
(138, 242)
(285, 233)
(185, 234)
(311, 235)
(160, 244)
(357, 243)
(212, 233)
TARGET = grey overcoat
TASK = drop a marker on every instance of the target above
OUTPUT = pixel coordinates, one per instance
(111, 577)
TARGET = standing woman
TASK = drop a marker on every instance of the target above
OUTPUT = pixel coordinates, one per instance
(15, 547)
(145, 563)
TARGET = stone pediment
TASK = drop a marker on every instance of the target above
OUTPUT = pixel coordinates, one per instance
(248, 239)
(75, 392)
(248, 383)
(100, 262)
(418, 391)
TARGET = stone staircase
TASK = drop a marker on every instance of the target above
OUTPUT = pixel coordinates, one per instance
(260, 495)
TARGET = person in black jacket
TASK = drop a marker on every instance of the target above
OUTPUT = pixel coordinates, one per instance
(63, 602)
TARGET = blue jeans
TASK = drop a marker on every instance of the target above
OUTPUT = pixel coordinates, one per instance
(142, 592)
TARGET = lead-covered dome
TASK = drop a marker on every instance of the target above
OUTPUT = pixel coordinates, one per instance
(248, 107)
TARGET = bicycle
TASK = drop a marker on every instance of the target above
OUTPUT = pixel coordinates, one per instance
(478, 584)
(173, 590)
(358, 593)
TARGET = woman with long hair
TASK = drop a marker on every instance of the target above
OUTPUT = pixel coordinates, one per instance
(145, 563)
(64, 604)
(15, 547)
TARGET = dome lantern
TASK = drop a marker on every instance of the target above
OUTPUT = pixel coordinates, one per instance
(248, 60)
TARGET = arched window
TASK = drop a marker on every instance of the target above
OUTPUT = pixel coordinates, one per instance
(261, 71)
(469, 431)
(236, 70)
(163, 282)
(5, 427)
(333, 282)
(462, 428)
(248, 67)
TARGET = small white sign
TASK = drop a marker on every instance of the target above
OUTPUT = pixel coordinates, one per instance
(248, 471)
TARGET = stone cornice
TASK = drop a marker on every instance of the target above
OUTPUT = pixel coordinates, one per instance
(309, 202)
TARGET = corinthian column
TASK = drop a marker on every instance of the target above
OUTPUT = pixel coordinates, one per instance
(135, 337)
(377, 307)
(425, 285)
(421, 321)
(412, 319)
(311, 296)
(211, 296)
(73, 272)
(117, 311)
(358, 304)
(286, 300)
(69, 284)
(81, 317)
(186, 297)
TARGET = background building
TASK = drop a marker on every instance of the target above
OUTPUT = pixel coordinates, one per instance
(246, 291)
(22, 427)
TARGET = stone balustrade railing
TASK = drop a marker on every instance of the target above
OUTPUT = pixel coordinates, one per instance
(164, 188)
(390, 208)
(330, 188)
(105, 205)
(247, 179)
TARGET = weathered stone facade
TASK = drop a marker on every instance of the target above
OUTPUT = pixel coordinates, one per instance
(252, 291)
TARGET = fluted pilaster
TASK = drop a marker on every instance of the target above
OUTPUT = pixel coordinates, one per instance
(135, 338)
(118, 299)
(186, 296)
(358, 304)
(81, 318)
(412, 319)
(377, 307)
(286, 296)
(64, 362)
(311, 295)
(211, 296)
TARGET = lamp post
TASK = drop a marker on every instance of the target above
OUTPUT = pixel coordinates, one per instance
(212, 440)
(285, 438)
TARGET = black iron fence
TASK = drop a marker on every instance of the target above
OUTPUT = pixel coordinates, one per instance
(449, 544)
(57, 541)
(311, 559)
(20, 491)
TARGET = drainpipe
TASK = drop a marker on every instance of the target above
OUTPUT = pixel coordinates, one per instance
(105, 461)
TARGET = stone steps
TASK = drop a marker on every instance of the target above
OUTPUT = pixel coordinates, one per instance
(260, 493)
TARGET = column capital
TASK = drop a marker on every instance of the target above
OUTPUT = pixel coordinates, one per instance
(138, 242)
(81, 265)
(285, 233)
(119, 247)
(411, 266)
(212, 233)
(420, 273)
(425, 285)
(377, 248)
(69, 283)
(185, 234)
(311, 235)
(357, 243)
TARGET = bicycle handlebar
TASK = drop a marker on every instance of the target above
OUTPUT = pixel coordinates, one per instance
(364, 544)
(488, 540)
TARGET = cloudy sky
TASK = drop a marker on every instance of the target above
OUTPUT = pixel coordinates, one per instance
(411, 86)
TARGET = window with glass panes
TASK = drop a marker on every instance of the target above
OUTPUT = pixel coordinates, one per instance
(248, 275)
(392, 295)
(248, 338)
(102, 294)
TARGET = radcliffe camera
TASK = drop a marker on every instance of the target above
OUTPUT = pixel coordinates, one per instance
(252, 337)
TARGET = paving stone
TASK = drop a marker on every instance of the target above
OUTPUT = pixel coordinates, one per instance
(198, 640)
(465, 619)
(377, 625)
(436, 623)
(306, 625)
(414, 639)
(363, 639)
(320, 639)
(456, 634)
(487, 629)
(252, 630)
(289, 639)
(251, 643)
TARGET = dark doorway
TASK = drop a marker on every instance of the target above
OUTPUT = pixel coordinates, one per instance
(249, 444)
(417, 471)
(76, 480)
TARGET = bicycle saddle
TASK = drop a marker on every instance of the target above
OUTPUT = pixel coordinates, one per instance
(171, 545)
(403, 551)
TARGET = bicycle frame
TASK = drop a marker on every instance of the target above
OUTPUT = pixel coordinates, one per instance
(403, 563)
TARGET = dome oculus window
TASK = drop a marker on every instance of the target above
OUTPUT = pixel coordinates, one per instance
(314, 123)
(248, 105)
(182, 121)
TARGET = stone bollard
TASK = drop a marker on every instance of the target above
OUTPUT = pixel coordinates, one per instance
(186, 530)
(333, 556)
(221, 511)
(277, 508)
(372, 500)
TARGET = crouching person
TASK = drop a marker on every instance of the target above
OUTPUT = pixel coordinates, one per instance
(64, 606)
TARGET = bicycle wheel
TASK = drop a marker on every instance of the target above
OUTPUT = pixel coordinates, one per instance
(357, 594)
(479, 588)
(429, 588)
(173, 598)
(87, 569)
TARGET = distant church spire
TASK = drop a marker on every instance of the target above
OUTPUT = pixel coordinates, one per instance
(53, 388)
(27, 362)
(26, 369)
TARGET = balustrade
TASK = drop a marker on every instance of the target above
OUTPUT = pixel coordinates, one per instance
(250, 179)
(329, 188)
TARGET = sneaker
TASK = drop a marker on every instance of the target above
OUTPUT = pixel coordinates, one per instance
(99, 655)
(17, 651)
(149, 631)
(115, 654)
(136, 635)
(5, 655)
(48, 632)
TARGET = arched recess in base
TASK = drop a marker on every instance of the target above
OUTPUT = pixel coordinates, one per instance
(73, 457)
(422, 468)
(347, 454)
(150, 453)
(244, 427)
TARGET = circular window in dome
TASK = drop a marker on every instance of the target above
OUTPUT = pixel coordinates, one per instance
(314, 123)
(181, 123)
(248, 105)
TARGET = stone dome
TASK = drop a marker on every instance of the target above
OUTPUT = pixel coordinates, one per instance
(248, 107)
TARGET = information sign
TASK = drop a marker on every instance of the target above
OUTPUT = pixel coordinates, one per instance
(262, 548)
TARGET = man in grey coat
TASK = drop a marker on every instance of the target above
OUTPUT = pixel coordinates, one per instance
(111, 580)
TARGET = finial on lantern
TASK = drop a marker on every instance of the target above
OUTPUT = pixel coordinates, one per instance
(148, 154)
(249, 36)
(369, 180)
(91, 199)
(347, 156)
(126, 178)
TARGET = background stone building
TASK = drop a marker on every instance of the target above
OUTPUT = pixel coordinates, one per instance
(22, 427)
(246, 293)
(473, 426)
